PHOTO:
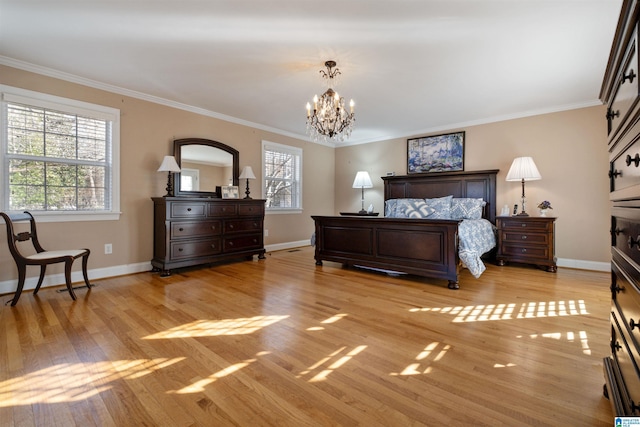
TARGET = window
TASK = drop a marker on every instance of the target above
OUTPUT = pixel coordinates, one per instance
(282, 177)
(59, 157)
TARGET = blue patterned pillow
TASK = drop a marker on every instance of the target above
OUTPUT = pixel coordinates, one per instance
(412, 208)
(467, 208)
(390, 208)
(442, 207)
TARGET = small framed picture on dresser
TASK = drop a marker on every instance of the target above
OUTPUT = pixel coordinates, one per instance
(230, 192)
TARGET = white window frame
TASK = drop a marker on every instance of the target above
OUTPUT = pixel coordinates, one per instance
(10, 94)
(295, 151)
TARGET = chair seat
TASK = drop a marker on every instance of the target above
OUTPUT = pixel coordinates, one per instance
(56, 254)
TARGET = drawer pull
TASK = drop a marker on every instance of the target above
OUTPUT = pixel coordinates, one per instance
(231, 226)
(635, 160)
(615, 173)
(180, 229)
(611, 114)
(633, 324)
(213, 246)
(188, 209)
(180, 249)
(213, 227)
(617, 231)
(630, 77)
(615, 288)
(230, 243)
(523, 225)
(524, 250)
(631, 242)
(524, 237)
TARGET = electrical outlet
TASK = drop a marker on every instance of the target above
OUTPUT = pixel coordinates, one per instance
(108, 248)
(266, 233)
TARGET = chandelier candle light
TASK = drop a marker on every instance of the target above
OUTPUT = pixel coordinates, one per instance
(329, 118)
(523, 168)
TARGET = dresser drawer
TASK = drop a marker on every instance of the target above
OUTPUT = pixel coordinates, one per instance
(625, 236)
(518, 236)
(183, 229)
(222, 209)
(240, 243)
(193, 249)
(187, 210)
(626, 299)
(626, 359)
(625, 93)
(254, 209)
(242, 225)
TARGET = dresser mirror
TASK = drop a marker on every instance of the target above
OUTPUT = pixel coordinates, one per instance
(205, 165)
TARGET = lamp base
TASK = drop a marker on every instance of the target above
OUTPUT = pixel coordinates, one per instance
(523, 213)
(363, 212)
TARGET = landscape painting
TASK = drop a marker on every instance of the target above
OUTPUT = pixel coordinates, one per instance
(439, 153)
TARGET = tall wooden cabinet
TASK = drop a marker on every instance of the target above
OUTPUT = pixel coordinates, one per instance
(620, 95)
(193, 230)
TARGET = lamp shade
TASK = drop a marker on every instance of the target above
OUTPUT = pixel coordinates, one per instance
(169, 164)
(247, 173)
(362, 180)
(523, 168)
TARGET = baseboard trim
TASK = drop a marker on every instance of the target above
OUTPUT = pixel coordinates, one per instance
(9, 286)
(583, 265)
(288, 245)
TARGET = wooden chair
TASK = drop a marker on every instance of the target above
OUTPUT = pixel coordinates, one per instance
(41, 257)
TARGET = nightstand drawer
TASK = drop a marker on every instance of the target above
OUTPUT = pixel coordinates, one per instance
(514, 250)
(522, 237)
(524, 224)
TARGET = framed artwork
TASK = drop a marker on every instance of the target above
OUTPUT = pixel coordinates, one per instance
(438, 153)
(230, 192)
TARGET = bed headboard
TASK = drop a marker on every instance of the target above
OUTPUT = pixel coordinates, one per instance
(476, 184)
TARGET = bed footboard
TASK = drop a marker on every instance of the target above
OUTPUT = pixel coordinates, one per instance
(422, 247)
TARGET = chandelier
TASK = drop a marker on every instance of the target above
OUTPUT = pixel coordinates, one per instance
(329, 119)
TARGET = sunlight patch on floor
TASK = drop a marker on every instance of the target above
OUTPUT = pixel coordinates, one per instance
(434, 352)
(72, 382)
(570, 336)
(527, 310)
(332, 319)
(198, 386)
(334, 361)
(212, 328)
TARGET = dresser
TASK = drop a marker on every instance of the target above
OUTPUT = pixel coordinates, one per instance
(620, 95)
(527, 239)
(191, 231)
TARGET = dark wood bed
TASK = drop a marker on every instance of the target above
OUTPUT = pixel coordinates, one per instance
(424, 247)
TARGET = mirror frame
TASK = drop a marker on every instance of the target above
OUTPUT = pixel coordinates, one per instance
(177, 153)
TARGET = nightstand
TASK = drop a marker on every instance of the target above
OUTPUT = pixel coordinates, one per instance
(526, 239)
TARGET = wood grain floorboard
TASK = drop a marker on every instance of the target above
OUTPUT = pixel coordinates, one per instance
(283, 342)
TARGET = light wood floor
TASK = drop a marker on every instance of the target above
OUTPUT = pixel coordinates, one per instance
(282, 342)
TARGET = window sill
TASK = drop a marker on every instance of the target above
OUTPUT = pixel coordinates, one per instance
(42, 216)
(282, 211)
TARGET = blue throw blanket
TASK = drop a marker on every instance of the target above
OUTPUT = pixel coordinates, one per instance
(475, 238)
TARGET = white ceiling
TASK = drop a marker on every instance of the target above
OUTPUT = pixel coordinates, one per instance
(412, 66)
